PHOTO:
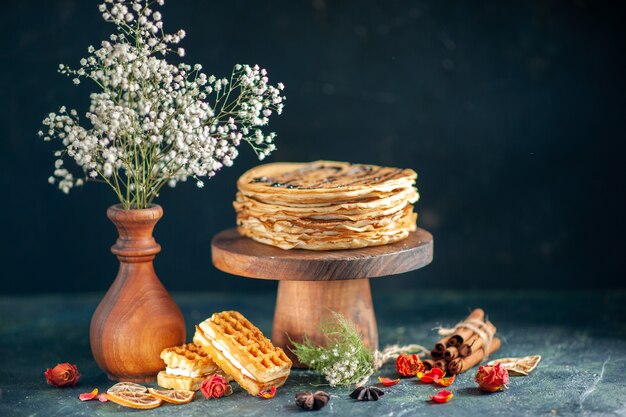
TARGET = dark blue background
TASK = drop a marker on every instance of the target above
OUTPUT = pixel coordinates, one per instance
(513, 116)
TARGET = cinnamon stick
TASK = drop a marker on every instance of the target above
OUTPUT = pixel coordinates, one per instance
(463, 334)
(441, 363)
(442, 344)
(436, 354)
(475, 342)
(458, 365)
(428, 364)
(466, 348)
(450, 353)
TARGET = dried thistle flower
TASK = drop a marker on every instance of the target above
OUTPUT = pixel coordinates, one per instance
(367, 394)
(312, 400)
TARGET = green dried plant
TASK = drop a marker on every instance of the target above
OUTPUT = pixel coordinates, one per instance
(345, 360)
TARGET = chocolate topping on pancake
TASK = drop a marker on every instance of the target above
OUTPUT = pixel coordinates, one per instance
(329, 175)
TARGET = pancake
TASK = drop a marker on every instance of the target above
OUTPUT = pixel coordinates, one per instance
(326, 205)
(295, 225)
(278, 212)
(319, 177)
(401, 196)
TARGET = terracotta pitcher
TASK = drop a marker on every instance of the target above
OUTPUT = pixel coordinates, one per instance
(137, 318)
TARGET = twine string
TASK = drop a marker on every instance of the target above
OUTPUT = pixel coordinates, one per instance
(388, 353)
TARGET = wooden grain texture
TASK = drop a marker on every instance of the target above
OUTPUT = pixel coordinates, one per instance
(137, 318)
(302, 305)
(242, 256)
(315, 283)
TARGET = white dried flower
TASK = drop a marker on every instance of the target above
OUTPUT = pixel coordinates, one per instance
(175, 123)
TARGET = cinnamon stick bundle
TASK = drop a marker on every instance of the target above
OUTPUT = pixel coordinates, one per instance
(464, 334)
(474, 343)
(458, 365)
(463, 349)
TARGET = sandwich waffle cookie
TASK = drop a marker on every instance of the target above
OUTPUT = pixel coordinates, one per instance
(326, 205)
(186, 367)
(241, 350)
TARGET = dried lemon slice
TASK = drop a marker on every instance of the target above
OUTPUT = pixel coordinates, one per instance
(518, 366)
(126, 387)
(139, 400)
(173, 396)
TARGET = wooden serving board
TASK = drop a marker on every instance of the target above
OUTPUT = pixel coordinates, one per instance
(242, 256)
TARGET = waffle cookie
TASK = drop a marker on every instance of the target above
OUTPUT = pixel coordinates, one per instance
(241, 350)
(186, 367)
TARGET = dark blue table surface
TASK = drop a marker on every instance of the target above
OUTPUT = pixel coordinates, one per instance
(581, 336)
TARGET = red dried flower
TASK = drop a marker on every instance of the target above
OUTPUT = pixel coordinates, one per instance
(267, 394)
(492, 378)
(409, 365)
(445, 382)
(434, 375)
(87, 396)
(62, 375)
(388, 382)
(442, 396)
(215, 387)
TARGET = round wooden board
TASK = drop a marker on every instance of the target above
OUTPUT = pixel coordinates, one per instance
(244, 257)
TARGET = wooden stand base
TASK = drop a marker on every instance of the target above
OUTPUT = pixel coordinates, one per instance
(315, 283)
(302, 305)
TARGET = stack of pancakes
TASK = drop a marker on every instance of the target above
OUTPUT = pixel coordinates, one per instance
(326, 205)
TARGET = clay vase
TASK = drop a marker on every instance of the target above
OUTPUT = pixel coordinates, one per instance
(137, 318)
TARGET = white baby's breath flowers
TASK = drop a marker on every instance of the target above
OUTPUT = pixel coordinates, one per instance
(154, 123)
(340, 371)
